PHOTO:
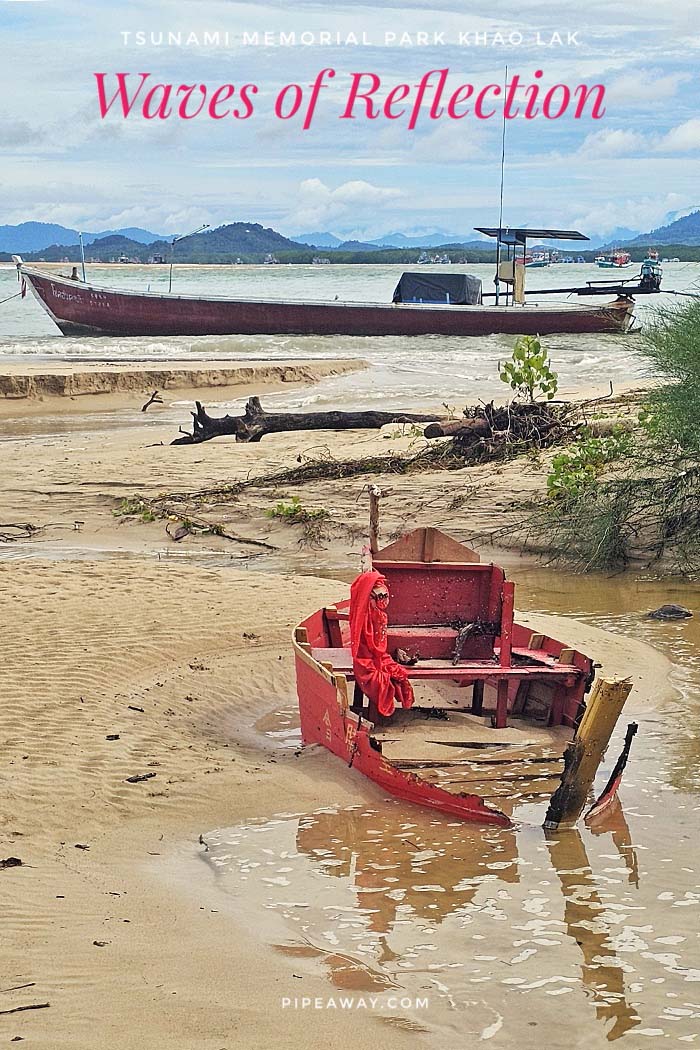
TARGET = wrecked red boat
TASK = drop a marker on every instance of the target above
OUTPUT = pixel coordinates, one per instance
(492, 706)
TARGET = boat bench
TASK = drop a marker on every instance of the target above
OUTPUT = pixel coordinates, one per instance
(538, 665)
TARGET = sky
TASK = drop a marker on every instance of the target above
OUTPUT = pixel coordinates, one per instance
(61, 162)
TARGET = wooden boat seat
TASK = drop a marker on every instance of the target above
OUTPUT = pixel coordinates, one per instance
(535, 662)
(513, 684)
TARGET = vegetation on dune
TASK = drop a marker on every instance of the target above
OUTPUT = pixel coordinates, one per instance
(636, 497)
(619, 492)
(314, 522)
(529, 372)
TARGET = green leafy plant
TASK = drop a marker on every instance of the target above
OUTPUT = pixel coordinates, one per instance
(134, 508)
(294, 513)
(575, 470)
(412, 430)
(529, 371)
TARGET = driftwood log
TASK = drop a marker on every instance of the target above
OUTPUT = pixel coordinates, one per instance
(255, 422)
(458, 428)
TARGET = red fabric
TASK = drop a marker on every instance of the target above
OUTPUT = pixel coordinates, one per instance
(380, 678)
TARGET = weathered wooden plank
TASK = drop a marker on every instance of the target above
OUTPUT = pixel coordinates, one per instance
(505, 772)
(584, 754)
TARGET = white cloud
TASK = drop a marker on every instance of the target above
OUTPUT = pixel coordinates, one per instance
(454, 142)
(642, 88)
(622, 142)
(681, 139)
(638, 213)
(613, 143)
(318, 205)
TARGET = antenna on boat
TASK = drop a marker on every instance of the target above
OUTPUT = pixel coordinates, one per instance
(204, 226)
(82, 253)
(500, 207)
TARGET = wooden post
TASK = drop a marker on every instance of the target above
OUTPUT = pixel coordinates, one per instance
(584, 754)
(507, 602)
(375, 494)
(501, 719)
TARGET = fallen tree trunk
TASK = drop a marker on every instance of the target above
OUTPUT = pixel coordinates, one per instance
(255, 422)
(458, 428)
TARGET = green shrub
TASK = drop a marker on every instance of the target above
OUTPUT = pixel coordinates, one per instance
(529, 371)
(294, 512)
(576, 470)
(134, 508)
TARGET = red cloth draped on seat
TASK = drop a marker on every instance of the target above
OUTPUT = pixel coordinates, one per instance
(380, 678)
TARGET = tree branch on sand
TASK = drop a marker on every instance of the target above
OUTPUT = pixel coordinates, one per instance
(256, 422)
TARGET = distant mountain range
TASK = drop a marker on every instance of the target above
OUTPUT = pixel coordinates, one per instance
(685, 230)
(219, 245)
(390, 240)
(251, 242)
(319, 240)
(33, 236)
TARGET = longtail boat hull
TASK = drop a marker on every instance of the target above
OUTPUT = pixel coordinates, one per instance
(81, 309)
(496, 705)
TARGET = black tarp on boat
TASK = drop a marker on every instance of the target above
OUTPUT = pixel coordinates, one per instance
(460, 289)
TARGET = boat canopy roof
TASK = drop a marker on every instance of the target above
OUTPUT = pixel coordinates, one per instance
(519, 235)
(461, 289)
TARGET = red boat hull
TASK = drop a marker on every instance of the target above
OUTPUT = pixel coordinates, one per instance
(84, 309)
(327, 720)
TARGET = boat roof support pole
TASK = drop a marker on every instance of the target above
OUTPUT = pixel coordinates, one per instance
(500, 206)
(82, 254)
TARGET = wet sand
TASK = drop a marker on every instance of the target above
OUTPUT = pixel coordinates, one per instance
(179, 651)
(82, 386)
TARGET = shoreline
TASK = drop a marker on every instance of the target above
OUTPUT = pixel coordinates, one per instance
(73, 386)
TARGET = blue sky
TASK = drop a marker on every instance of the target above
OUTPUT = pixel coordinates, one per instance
(62, 163)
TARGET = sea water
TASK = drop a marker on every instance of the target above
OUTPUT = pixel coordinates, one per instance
(403, 371)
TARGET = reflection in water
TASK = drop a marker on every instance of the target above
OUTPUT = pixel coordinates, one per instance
(495, 925)
(612, 820)
(379, 856)
(584, 914)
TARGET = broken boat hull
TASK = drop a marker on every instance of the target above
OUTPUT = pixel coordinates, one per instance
(491, 721)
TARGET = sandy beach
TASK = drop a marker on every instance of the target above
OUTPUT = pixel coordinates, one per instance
(127, 655)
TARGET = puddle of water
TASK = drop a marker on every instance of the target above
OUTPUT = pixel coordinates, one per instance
(281, 728)
(38, 550)
(486, 924)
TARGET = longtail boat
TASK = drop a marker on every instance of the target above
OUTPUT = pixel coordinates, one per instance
(80, 308)
(499, 711)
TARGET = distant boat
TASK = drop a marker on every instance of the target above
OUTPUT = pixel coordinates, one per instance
(439, 259)
(536, 260)
(652, 270)
(615, 259)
